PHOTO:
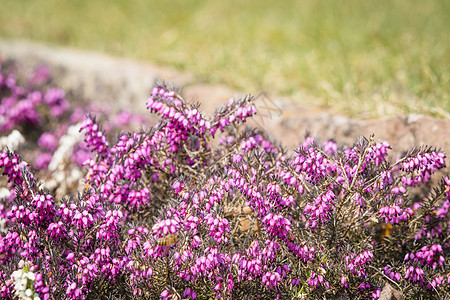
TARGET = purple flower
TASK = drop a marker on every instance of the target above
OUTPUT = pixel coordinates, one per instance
(48, 141)
(319, 209)
(55, 99)
(43, 160)
(94, 138)
(271, 279)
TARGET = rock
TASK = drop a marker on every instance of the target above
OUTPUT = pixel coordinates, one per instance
(389, 293)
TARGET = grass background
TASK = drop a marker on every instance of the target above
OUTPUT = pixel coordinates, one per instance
(360, 58)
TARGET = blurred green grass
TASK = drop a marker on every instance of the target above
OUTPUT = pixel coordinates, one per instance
(364, 58)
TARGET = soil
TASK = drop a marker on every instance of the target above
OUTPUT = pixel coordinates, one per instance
(124, 83)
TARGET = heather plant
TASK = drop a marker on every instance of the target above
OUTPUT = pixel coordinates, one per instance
(201, 207)
(38, 117)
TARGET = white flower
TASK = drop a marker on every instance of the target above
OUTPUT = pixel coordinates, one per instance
(17, 274)
(30, 275)
(21, 284)
(66, 145)
(2, 226)
(22, 279)
(12, 141)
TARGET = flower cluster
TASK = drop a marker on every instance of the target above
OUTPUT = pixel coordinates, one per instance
(44, 115)
(431, 256)
(94, 138)
(312, 162)
(27, 283)
(277, 225)
(217, 228)
(395, 214)
(56, 100)
(356, 264)
(392, 274)
(421, 166)
(318, 210)
(171, 213)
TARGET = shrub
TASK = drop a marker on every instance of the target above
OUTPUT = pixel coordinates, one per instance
(201, 207)
(38, 117)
